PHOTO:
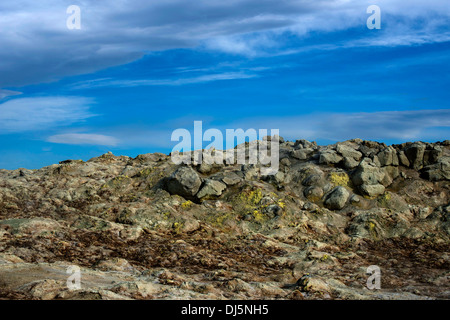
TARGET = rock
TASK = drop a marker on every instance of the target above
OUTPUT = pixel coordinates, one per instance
(231, 178)
(313, 193)
(415, 154)
(329, 157)
(372, 190)
(115, 264)
(337, 199)
(350, 163)
(391, 173)
(302, 154)
(403, 159)
(348, 152)
(184, 182)
(302, 143)
(308, 283)
(432, 156)
(211, 188)
(354, 199)
(437, 172)
(367, 173)
(388, 157)
(314, 179)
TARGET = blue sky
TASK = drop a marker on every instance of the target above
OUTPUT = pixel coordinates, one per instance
(137, 70)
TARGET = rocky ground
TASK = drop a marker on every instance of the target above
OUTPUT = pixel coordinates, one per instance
(144, 228)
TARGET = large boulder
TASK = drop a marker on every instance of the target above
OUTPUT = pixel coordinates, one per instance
(368, 177)
(367, 173)
(184, 182)
(415, 153)
(388, 157)
(337, 199)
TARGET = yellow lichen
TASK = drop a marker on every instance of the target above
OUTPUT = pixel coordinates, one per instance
(177, 226)
(187, 204)
(339, 179)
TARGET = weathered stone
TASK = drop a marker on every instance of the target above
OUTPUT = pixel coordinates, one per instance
(438, 171)
(367, 173)
(231, 178)
(211, 188)
(432, 156)
(329, 157)
(337, 199)
(313, 193)
(350, 163)
(184, 182)
(372, 190)
(301, 154)
(403, 159)
(388, 157)
(415, 154)
(349, 152)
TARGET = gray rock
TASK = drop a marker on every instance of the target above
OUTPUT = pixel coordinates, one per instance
(302, 154)
(337, 199)
(347, 151)
(388, 157)
(329, 157)
(184, 182)
(314, 179)
(211, 188)
(432, 156)
(313, 193)
(438, 171)
(302, 143)
(372, 190)
(231, 178)
(415, 154)
(350, 163)
(367, 173)
(403, 159)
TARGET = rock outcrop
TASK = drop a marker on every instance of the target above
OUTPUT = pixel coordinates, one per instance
(145, 228)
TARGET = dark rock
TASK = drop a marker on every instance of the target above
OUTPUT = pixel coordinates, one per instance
(184, 182)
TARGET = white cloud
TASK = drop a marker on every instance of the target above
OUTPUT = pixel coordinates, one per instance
(83, 139)
(162, 82)
(114, 33)
(42, 113)
(385, 125)
(8, 93)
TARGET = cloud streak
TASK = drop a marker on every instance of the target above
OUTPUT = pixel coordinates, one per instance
(83, 139)
(124, 83)
(42, 113)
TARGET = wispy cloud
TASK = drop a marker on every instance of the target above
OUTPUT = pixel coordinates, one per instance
(387, 125)
(96, 83)
(42, 113)
(83, 139)
(7, 93)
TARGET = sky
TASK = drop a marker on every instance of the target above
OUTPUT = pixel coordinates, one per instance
(136, 71)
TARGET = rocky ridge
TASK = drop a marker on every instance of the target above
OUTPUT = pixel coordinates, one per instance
(144, 228)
